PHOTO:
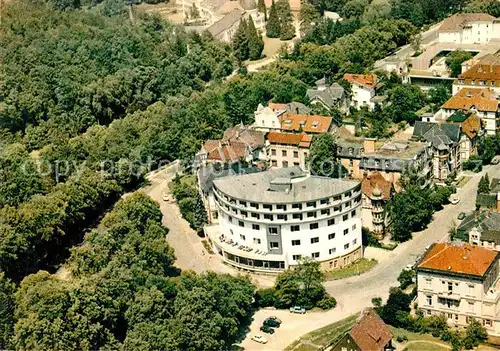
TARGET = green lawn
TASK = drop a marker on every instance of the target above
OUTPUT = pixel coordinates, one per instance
(413, 336)
(361, 266)
(322, 337)
(424, 346)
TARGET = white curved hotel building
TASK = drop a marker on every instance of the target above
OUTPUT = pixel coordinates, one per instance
(269, 220)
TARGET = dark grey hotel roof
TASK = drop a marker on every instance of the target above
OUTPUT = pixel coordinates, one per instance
(256, 187)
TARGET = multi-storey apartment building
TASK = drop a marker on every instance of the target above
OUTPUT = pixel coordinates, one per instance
(287, 150)
(481, 101)
(461, 282)
(268, 221)
(485, 74)
(469, 28)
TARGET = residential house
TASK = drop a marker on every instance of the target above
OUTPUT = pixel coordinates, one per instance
(287, 149)
(292, 107)
(369, 333)
(444, 140)
(377, 191)
(239, 143)
(481, 228)
(278, 119)
(363, 89)
(482, 101)
(329, 96)
(472, 132)
(392, 158)
(485, 74)
(469, 28)
(363, 157)
(267, 119)
(460, 281)
(314, 125)
(230, 15)
(349, 153)
(225, 28)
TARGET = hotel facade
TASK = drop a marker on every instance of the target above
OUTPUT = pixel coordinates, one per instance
(269, 221)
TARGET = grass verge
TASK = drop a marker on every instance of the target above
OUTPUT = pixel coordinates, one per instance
(361, 266)
(322, 337)
(207, 247)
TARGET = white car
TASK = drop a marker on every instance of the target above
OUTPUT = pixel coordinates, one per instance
(166, 197)
(454, 199)
(260, 339)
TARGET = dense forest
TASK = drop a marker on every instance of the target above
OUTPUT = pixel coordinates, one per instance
(124, 293)
(90, 102)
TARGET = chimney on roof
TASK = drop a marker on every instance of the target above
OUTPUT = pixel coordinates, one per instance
(369, 145)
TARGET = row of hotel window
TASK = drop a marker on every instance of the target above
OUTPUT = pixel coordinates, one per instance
(284, 153)
(297, 206)
(330, 252)
(296, 242)
(293, 228)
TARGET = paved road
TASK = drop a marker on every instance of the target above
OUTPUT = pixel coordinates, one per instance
(355, 294)
(406, 51)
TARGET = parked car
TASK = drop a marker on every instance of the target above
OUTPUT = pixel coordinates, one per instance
(260, 339)
(297, 309)
(166, 197)
(461, 215)
(271, 323)
(454, 199)
(267, 329)
(274, 318)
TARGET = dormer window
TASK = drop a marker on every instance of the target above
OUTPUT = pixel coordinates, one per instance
(303, 123)
(314, 125)
(377, 163)
(482, 82)
(362, 151)
(351, 150)
(339, 150)
(461, 81)
(387, 163)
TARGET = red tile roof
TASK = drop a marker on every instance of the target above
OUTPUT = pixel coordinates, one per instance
(376, 181)
(482, 98)
(273, 106)
(459, 259)
(305, 123)
(225, 151)
(302, 140)
(365, 80)
(472, 126)
(370, 333)
(482, 71)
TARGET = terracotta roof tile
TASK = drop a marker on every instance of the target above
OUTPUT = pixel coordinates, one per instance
(225, 151)
(482, 71)
(306, 123)
(459, 259)
(471, 126)
(302, 140)
(365, 80)
(373, 181)
(273, 106)
(482, 99)
(370, 333)
(458, 21)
